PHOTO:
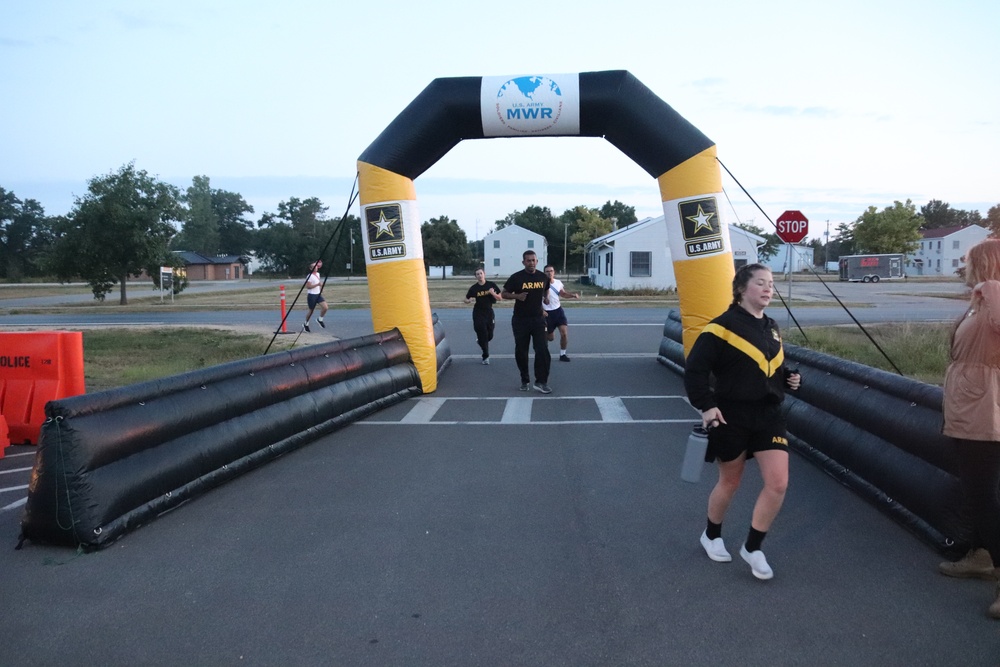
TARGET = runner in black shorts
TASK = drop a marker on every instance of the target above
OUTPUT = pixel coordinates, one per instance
(741, 349)
(555, 316)
(314, 295)
(485, 293)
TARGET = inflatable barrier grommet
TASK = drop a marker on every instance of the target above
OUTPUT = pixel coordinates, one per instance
(204, 387)
(913, 405)
(169, 493)
(59, 419)
(251, 373)
(98, 531)
(142, 402)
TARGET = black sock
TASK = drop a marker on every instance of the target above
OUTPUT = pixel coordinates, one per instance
(713, 530)
(755, 538)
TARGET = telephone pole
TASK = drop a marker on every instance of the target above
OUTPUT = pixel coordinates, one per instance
(565, 232)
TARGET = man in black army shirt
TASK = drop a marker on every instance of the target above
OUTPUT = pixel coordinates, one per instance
(529, 289)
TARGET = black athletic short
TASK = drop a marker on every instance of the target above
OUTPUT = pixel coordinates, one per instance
(556, 318)
(313, 300)
(749, 429)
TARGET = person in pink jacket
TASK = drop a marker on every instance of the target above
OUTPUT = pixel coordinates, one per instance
(972, 412)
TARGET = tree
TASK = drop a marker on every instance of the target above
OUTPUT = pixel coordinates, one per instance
(477, 254)
(771, 241)
(294, 237)
(340, 250)
(121, 226)
(588, 224)
(538, 219)
(843, 243)
(895, 229)
(200, 232)
(235, 231)
(25, 236)
(992, 220)
(445, 244)
(818, 247)
(618, 213)
(937, 214)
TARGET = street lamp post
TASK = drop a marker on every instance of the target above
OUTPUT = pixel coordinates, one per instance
(565, 232)
(826, 262)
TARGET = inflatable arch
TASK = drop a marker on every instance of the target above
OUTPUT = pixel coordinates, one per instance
(613, 105)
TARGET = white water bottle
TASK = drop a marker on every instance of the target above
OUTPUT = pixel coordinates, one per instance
(694, 455)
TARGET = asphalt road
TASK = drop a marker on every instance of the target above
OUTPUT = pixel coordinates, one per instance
(814, 304)
(483, 526)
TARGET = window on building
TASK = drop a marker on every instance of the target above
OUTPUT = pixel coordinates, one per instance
(496, 243)
(954, 263)
(496, 261)
(609, 266)
(531, 243)
(640, 264)
(955, 245)
(939, 245)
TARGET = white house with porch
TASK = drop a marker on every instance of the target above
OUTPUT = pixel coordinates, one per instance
(642, 255)
(941, 251)
(503, 250)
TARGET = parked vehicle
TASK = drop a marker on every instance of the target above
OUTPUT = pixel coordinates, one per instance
(871, 268)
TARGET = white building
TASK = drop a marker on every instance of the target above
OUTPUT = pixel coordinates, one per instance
(643, 258)
(504, 248)
(801, 259)
(941, 250)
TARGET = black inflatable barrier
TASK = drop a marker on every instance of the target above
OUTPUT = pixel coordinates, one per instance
(875, 432)
(442, 348)
(111, 461)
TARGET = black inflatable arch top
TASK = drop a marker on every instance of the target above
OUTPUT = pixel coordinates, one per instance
(613, 105)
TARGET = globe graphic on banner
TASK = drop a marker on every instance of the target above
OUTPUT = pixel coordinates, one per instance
(529, 104)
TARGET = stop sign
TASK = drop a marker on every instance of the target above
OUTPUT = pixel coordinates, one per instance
(792, 226)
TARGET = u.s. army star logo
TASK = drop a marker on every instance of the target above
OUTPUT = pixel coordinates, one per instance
(701, 227)
(385, 224)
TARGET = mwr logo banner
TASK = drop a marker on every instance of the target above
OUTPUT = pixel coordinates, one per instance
(392, 231)
(535, 105)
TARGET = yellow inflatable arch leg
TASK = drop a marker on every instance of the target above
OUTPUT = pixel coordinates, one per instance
(397, 279)
(699, 241)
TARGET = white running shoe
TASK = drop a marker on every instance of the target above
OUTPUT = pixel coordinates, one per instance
(757, 562)
(716, 549)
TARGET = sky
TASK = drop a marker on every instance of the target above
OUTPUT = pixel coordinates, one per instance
(825, 108)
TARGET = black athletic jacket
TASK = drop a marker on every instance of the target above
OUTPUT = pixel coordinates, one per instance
(745, 357)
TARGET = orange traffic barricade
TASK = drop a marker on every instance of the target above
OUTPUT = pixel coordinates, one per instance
(36, 368)
(4, 436)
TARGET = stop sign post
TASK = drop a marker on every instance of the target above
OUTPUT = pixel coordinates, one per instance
(792, 226)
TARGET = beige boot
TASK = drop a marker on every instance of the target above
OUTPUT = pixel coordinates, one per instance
(977, 564)
(994, 610)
